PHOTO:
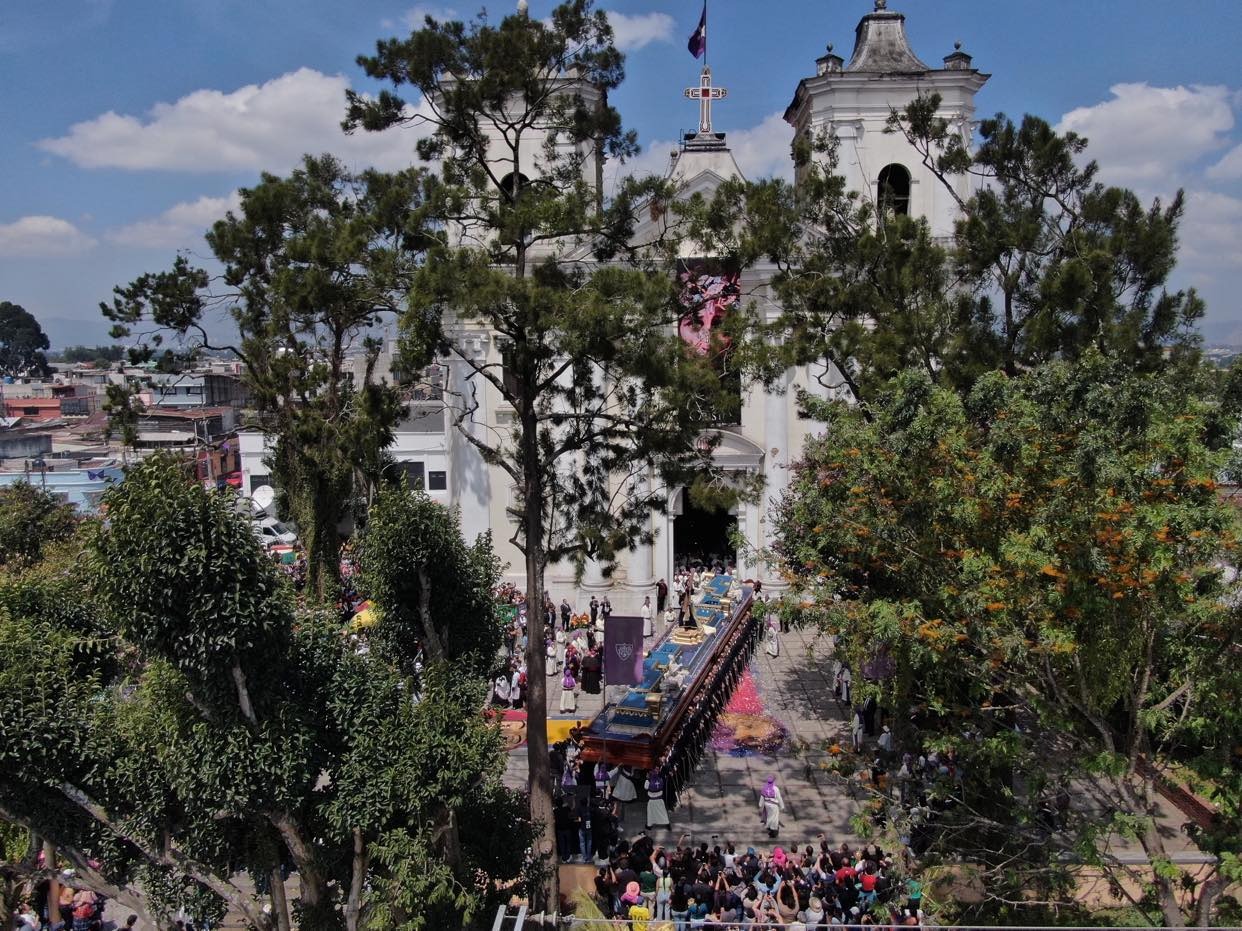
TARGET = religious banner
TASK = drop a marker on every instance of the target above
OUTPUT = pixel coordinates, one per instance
(880, 666)
(709, 294)
(623, 650)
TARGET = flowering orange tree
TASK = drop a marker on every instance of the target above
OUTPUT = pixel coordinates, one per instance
(1039, 572)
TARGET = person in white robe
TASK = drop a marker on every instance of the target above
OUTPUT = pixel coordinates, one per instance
(569, 694)
(648, 630)
(551, 665)
(501, 690)
(772, 639)
(657, 811)
(623, 788)
(515, 686)
(770, 806)
(886, 740)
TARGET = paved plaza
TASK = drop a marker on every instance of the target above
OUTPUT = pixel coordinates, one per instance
(722, 799)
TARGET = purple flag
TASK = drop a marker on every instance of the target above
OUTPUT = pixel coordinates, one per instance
(698, 41)
(623, 650)
(880, 666)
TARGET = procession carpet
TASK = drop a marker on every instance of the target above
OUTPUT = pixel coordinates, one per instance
(558, 728)
(745, 728)
(513, 726)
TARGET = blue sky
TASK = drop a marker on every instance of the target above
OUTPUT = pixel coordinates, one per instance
(129, 124)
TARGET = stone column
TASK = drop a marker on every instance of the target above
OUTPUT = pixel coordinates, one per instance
(639, 572)
(750, 526)
(777, 440)
(470, 476)
(593, 576)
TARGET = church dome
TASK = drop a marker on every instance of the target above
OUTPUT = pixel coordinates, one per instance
(881, 46)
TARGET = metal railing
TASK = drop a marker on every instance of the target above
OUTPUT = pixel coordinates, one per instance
(511, 919)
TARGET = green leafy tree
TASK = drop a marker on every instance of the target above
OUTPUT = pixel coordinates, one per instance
(124, 409)
(19, 872)
(22, 342)
(55, 732)
(425, 581)
(527, 250)
(30, 518)
(218, 735)
(1041, 564)
(415, 566)
(100, 355)
(1046, 263)
(313, 262)
(1059, 262)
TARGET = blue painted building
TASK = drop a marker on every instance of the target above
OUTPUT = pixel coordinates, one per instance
(83, 488)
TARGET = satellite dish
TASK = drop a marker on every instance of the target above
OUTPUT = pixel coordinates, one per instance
(263, 497)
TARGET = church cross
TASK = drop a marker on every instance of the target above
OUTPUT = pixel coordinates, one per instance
(705, 94)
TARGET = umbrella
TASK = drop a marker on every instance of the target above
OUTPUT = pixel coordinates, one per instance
(368, 616)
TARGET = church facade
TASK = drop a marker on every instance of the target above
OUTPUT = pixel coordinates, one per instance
(852, 100)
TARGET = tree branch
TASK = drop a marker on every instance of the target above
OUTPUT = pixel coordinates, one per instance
(170, 856)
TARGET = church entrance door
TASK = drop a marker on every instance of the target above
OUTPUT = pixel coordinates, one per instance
(702, 537)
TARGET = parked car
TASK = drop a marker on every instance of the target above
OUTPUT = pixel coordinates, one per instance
(271, 531)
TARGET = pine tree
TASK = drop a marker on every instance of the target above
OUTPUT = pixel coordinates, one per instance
(606, 401)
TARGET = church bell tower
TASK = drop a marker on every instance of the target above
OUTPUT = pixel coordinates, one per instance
(853, 101)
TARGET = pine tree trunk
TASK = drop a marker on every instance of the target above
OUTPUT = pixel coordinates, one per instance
(546, 896)
(322, 546)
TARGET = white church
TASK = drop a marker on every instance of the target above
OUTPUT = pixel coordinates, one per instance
(852, 100)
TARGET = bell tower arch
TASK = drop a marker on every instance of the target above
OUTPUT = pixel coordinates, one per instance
(853, 100)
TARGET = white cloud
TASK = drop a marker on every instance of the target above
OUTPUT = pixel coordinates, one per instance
(764, 150)
(1145, 133)
(631, 32)
(416, 16)
(1156, 140)
(180, 226)
(635, 32)
(1211, 231)
(1228, 168)
(257, 127)
(41, 237)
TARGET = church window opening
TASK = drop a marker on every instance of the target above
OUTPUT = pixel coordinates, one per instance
(893, 191)
(512, 185)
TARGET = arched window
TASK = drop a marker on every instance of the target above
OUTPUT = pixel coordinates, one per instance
(512, 185)
(893, 190)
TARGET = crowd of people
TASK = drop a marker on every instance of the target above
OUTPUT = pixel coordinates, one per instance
(573, 641)
(572, 649)
(718, 886)
(722, 886)
(65, 906)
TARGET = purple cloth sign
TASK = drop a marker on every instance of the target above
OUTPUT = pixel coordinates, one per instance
(623, 650)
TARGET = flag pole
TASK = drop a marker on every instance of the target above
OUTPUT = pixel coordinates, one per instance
(706, 30)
